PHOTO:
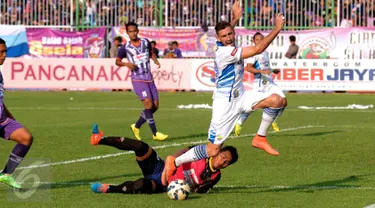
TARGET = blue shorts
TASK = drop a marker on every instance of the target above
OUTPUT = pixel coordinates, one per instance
(152, 168)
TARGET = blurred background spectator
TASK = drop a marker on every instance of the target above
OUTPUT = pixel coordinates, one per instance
(115, 46)
(293, 48)
(154, 49)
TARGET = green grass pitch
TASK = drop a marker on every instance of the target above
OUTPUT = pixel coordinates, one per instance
(326, 157)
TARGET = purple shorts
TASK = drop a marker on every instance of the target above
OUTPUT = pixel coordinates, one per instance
(8, 127)
(145, 90)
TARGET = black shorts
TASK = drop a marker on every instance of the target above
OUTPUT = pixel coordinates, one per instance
(152, 168)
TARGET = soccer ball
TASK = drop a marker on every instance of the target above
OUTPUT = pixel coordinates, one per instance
(178, 190)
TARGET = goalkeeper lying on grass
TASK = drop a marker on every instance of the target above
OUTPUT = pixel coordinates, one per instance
(201, 175)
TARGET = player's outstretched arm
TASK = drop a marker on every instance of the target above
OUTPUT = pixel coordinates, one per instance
(250, 51)
(237, 13)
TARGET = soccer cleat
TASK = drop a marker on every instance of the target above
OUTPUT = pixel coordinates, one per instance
(169, 170)
(10, 181)
(96, 135)
(99, 188)
(275, 127)
(160, 136)
(135, 132)
(237, 130)
(261, 143)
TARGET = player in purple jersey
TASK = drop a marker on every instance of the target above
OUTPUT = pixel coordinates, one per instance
(10, 129)
(138, 52)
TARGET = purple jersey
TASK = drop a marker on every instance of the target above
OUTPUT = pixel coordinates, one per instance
(2, 111)
(140, 56)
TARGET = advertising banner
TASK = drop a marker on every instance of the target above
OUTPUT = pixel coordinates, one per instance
(50, 43)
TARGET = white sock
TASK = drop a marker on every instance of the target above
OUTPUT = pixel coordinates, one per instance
(269, 115)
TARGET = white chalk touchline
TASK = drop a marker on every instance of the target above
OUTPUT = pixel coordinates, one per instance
(172, 109)
(156, 147)
(232, 186)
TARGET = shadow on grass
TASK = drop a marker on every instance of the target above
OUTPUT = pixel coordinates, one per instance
(313, 133)
(308, 188)
(84, 182)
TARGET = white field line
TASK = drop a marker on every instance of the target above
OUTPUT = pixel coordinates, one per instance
(285, 187)
(156, 147)
(170, 109)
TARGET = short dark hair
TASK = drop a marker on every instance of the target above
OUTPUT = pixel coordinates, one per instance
(292, 38)
(118, 38)
(221, 26)
(2, 41)
(257, 33)
(154, 42)
(175, 42)
(131, 24)
(233, 152)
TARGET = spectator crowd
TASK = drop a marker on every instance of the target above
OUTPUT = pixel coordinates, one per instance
(299, 13)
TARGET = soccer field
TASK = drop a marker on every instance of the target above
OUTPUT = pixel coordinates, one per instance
(326, 156)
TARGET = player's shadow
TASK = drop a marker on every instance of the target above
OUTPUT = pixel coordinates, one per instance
(314, 134)
(308, 188)
(324, 185)
(85, 182)
(204, 135)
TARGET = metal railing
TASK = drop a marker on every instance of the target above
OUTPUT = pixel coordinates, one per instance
(81, 14)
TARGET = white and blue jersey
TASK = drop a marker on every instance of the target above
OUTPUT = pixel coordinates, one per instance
(261, 62)
(229, 69)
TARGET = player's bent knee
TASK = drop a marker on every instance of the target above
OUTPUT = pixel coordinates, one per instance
(143, 151)
(22, 136)
(285, 102)
(148, 104)
(27, 139)
(277, 101)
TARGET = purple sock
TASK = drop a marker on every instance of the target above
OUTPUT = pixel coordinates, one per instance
(15, 158)
(141, 120)
(150, 120)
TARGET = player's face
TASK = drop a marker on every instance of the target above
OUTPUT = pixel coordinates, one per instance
(132, 32)
(222, 160)
(258, 38)
(226, 36)
(3, 53)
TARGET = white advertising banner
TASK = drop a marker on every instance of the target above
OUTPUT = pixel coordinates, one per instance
(88, 74)
(185, 74)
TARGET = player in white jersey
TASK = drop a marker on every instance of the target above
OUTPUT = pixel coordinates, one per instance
(229, 99)
(259, 65)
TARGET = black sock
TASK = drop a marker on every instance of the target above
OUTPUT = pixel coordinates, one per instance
(140, 148)
(141, 185)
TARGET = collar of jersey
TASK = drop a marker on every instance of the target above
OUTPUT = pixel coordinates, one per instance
(210, 165)
(220, 44)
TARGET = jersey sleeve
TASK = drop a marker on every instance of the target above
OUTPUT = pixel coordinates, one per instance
(228, 55)
(121, 53)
